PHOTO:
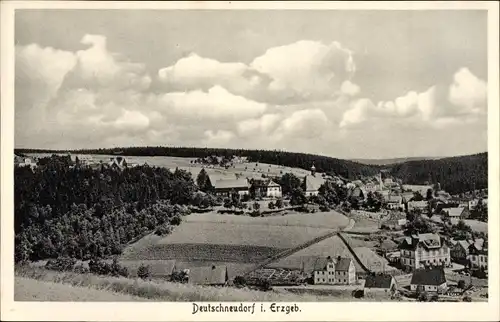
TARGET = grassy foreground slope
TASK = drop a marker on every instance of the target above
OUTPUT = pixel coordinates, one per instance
(153, 290)
(27, 289)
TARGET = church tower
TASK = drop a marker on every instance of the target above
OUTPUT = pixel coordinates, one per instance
(313, 170)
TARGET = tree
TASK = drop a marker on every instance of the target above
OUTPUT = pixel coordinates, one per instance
(279, 203)
(417, 196)
(429, 194)
(288, 183)
(297, 197)
(240, 281)
(144, 271)
(271, 205)
(256, 206)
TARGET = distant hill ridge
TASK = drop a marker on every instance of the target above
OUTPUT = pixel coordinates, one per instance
(393, 160)
(455, 174)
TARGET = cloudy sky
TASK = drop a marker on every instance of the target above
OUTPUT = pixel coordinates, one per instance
(348, 84)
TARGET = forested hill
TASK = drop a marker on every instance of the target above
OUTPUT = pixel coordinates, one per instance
(345, 168)
(455, 174)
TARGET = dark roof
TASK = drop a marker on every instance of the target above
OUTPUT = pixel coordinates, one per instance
(426, 276)
(320, 263)
(208, 275)
(343, 264)
(378, 281)
(231, 184)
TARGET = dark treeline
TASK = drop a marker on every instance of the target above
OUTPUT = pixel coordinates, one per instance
(345, 168)
(85, 213)
(456, 174)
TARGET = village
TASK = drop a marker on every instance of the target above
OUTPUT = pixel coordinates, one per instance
(422, 234)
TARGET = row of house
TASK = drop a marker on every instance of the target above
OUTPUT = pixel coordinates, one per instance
(470, 252)
(266, 187)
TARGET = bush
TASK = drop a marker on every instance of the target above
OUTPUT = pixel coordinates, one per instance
(279, 203)
(175, 221)
(61, 264)
(144, 272)
(467, 299)
(271, 205)
(461, 284)
(240, 281)
(423, 297)
(163, 230)
(358, 294)
(101, 268)
(179, 277)
(80, 269)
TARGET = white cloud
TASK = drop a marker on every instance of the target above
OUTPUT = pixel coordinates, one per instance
(218, 138)
(260, 126)
(294, 97)
(216, 104)
(303, 124)
(349, 88)
(309, 69)
(468, 92)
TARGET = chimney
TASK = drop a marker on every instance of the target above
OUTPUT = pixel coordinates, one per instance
(213, 266)
(338, 258)
(329, 258)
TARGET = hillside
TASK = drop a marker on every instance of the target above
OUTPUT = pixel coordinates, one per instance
(345, 168)
(391, 161)
(455, 174)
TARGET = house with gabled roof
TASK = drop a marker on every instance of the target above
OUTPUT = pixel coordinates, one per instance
(380, 283)
(394, 202)
(460, 250)
(478, 254)
(422, 250)
(208, 275)
(430, 280)
(340, 270)
(457, 212)
(224, 187)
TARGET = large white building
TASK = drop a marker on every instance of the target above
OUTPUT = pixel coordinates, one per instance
(419, 251)
(340, 270)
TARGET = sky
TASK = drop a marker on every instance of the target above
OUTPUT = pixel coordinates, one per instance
(348, 84)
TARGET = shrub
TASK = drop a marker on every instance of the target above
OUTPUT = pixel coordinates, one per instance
(163, 230)
(279, 203)
(271, 205)
(175, 221)
(467, 299)
(80, 269)
(461, 284)
(61, 264)
(240, 281)
(179, 277)
(358, 294)
(423, 297)
(144, 272)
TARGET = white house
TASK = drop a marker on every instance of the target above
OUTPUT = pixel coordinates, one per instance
(273, 190)
(431, 280)
(421, 205)
(417, 251)
(340, 270)
(380, 284)
(394, 202)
